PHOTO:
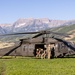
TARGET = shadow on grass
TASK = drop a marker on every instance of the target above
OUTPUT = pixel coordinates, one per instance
(21, 57)
(66, 57)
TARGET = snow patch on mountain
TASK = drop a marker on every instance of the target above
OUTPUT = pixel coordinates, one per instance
(31, 24)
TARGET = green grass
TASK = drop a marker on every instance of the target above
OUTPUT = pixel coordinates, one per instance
(31, 66)
(2, 68)
(64, 29)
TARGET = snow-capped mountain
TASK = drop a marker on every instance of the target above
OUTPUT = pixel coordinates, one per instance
(7, 28)
(30, 24)
(2, 31)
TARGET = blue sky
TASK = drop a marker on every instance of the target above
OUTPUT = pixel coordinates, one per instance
(11, 10)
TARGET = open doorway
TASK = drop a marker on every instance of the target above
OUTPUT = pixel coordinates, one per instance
(38, 46)
(52, 48)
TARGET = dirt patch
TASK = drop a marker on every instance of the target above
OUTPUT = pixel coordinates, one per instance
(71, 37)
(5, 45)
(72, 31)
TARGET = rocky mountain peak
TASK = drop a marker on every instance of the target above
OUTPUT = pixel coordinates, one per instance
(31, 24)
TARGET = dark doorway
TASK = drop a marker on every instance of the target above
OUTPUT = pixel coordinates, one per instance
(37, 46)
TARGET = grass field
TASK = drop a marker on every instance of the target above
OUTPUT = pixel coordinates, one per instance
(31, 66)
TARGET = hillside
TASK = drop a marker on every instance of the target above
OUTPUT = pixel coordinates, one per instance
(32, 25)
(70, 30)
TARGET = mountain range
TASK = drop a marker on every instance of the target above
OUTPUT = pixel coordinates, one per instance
(31, 24)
